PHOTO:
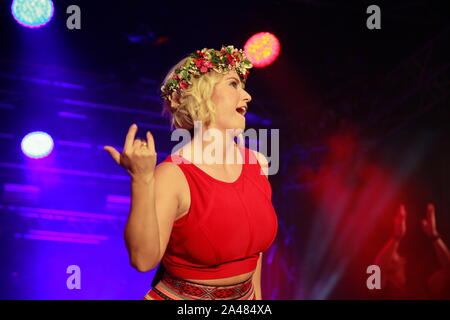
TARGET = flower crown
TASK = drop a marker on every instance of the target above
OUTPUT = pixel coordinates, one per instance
(202, 61)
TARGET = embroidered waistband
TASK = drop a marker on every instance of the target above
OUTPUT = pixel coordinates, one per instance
(206, 291)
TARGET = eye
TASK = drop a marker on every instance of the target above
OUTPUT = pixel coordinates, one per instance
(234, 84)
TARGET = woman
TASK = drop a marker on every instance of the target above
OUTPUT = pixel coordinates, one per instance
(207, 222)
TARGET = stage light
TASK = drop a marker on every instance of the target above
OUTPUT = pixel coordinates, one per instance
(262, 49)
(32, 13)
(37, 145)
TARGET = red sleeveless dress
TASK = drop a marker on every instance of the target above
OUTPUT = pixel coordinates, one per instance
(227, 225)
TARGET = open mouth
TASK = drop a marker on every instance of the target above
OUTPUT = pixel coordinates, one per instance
(241, 110)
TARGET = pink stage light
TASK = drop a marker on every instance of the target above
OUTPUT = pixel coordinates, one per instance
(262, 49)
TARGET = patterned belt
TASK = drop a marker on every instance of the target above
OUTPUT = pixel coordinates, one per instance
(206, 292)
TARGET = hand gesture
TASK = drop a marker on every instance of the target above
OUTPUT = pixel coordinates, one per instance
(138, 157)
(400, 222)
(429, 223)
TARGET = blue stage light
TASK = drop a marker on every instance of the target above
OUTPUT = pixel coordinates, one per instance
(37, 144)
(32, 13)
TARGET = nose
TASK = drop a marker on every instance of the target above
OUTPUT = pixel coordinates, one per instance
(246, 96)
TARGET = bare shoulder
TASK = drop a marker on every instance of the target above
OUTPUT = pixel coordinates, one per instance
(167, 167)
(168, 173)
(262, 160)
(171, 184)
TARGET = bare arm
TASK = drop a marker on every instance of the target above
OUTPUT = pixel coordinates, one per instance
(390, 248)
(142, 231)
(385, 256)
(429, 226)
(387, 252)
(442, 253)
(154, 207)
(152, 211)
(256, 278)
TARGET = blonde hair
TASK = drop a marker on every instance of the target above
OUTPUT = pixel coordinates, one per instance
(194, 103)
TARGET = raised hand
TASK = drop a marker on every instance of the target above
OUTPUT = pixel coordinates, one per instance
(138, 157)
(429, 223)
(400, 223)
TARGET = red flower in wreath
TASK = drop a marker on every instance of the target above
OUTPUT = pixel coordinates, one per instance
(246, 74)
(206, 66)
(203, 64)
(198, 62)
(230, 59)
(183, 84)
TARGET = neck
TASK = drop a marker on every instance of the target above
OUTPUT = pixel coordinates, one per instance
(213, 146)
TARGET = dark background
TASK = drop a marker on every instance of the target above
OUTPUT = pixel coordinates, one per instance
(363, 118)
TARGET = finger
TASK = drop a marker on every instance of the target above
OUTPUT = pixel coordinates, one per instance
(432, 216)
(130, 137)
(114, 153)
(402, 211)
(430, 213)
(137, 143)
(150, 142)
(430, 209)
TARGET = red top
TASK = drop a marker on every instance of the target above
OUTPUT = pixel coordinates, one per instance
(227, 224)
